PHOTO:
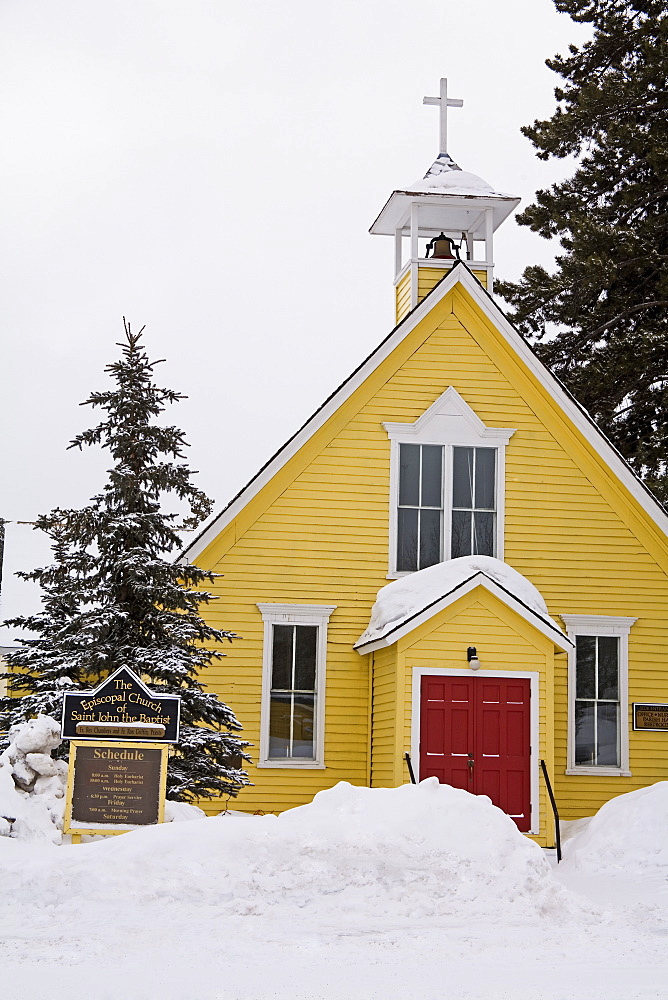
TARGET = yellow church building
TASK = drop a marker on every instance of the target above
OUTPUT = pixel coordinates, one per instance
(447, 561)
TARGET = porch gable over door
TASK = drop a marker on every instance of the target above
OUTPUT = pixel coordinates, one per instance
(507, 644)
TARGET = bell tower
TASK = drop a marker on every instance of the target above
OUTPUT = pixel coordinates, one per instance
(449, 214)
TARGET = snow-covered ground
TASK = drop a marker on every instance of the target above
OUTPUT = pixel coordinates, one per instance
(418, 892)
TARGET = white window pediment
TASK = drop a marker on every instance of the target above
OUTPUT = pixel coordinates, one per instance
(446, 494)
(450, 420)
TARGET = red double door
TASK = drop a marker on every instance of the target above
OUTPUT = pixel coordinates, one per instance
(475, 734)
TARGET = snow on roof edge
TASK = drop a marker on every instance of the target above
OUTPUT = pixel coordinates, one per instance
(397, 624)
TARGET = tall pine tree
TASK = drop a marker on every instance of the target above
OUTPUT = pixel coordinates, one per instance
(112, 598)
(600, 320)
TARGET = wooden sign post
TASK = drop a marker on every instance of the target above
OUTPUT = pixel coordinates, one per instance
(119, 783)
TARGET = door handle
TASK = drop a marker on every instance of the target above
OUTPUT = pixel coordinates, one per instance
(471, 765)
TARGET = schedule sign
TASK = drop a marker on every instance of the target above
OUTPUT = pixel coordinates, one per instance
(116, 784)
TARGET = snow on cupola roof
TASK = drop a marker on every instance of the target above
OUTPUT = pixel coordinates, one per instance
(405, 603)
(445, 175)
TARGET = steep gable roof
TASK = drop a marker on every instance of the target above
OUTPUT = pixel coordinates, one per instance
(461, 276)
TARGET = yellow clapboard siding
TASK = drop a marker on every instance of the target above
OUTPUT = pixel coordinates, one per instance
(403, 297)
(428, 278)
(384, 706)
(318, 533)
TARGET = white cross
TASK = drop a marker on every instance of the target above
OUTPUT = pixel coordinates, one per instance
(444, 103)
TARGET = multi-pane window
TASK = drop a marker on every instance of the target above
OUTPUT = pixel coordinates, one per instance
(420, 515)
(292, 698)
(473, 502)
(597, 703)
(294, 684)
(471, 505)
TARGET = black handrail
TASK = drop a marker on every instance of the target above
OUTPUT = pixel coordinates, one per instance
(553, 803)
(407, 758)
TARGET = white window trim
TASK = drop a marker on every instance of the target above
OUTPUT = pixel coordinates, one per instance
(449, 423)
(294, 614)
(600, 625)
(534, 723)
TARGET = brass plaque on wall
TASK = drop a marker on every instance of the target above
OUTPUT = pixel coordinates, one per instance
(652, 718)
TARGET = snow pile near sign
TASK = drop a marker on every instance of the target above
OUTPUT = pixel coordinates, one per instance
(352, 856)
(182, 812)
(627, 834)
(404, 598)
(32, 783)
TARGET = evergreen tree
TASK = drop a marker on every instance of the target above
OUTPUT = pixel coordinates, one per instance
(600, 320)
(112, 599)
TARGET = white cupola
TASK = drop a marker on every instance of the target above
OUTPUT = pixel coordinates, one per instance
(449, 214)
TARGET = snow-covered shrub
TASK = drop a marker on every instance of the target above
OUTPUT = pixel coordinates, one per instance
(32, 783)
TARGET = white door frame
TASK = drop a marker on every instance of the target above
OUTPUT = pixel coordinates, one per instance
(532, 676)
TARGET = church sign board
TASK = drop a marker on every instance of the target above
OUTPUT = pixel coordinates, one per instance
(652, 718)
(121, 708)
(114, 787)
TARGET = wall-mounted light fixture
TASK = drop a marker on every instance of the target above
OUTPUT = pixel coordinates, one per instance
(472, 657)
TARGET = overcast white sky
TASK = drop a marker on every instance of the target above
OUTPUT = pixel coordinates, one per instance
(210, 169)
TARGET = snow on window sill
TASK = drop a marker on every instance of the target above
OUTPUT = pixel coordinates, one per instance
(601, 772)
(299, 765)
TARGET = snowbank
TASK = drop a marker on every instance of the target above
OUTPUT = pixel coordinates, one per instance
(352, 855)
(408, 596)
(180, 812)
(627, 834)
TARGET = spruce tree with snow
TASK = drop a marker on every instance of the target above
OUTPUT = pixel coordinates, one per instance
(600, 320)
(48, 662)
(112, 598)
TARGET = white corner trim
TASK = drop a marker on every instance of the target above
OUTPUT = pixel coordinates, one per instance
(600, 625)
(418, 673)
(295, 614)
(395, 632)
(457, 276)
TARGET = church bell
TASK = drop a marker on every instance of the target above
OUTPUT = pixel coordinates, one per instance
(441, 247)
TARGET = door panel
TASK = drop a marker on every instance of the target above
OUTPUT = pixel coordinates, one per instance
(485, 721)
(446, 710)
